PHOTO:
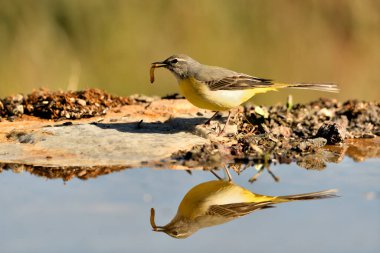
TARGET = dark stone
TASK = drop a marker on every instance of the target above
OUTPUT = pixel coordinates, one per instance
(333, 132)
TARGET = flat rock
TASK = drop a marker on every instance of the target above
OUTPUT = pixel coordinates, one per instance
(61, 136)
(130, 136)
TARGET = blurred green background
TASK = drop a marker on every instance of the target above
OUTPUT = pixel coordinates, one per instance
(109, 44)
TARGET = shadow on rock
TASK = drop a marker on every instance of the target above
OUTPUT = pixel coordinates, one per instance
(173, 125)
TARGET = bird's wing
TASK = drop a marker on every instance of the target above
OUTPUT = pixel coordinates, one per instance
(217, 78)
(237, 209)
(238, 82)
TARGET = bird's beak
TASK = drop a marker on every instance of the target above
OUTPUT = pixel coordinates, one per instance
(159, 229)
(159, 64)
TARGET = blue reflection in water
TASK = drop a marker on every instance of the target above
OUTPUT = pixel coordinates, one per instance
(111, 213)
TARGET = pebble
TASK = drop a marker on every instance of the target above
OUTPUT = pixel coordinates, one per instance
(333, 132)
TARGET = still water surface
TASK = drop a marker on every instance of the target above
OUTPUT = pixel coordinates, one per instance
(111, 213)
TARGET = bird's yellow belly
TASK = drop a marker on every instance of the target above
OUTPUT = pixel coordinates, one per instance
(220, 100)
(216, 192)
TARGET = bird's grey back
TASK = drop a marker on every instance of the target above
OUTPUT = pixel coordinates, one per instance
(207, 73)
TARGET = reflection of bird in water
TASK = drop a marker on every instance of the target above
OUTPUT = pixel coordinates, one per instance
(219, 201)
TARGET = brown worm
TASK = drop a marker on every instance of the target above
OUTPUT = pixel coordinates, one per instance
(152, 73)
(152, 223)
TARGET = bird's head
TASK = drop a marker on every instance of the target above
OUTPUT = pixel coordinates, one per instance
(178, 228)
(182, 66)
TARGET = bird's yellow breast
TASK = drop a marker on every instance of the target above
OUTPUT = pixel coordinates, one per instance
(200, 95)
(216, 192)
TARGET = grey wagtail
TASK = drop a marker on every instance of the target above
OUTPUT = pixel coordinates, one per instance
(220, 89)
(220, 201)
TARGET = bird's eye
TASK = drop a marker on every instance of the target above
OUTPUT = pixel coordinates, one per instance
(174, 61)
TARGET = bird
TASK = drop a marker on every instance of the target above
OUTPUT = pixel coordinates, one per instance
(219, 201)
(220, 89)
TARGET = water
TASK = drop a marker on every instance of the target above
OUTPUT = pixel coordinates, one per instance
(111, 213)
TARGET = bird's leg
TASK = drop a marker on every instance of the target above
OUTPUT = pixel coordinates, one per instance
(216, 175)
(260, 171)
(227, 174)
(276, 179)
(209, 120)
(224, 128)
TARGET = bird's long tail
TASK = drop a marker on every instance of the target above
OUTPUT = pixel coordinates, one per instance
(328, 87)
(308, 196)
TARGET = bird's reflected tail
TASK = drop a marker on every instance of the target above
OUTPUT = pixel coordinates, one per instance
(308, 196)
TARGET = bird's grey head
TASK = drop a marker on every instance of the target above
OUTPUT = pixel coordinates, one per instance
(182, 66)
(179, 227)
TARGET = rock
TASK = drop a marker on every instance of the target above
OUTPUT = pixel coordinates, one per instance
(18, 110)
(112, 142)
(326, 112)
(333, 132)
(139, 131)
(282, 131)
(318, 142)
(82, 102)
(311, 144)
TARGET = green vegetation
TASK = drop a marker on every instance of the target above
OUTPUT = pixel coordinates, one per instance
(109, 44)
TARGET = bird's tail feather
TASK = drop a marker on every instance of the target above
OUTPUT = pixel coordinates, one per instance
(328, 87)
(308, 196)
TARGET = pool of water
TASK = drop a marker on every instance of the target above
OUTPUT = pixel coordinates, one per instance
(111, 213)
